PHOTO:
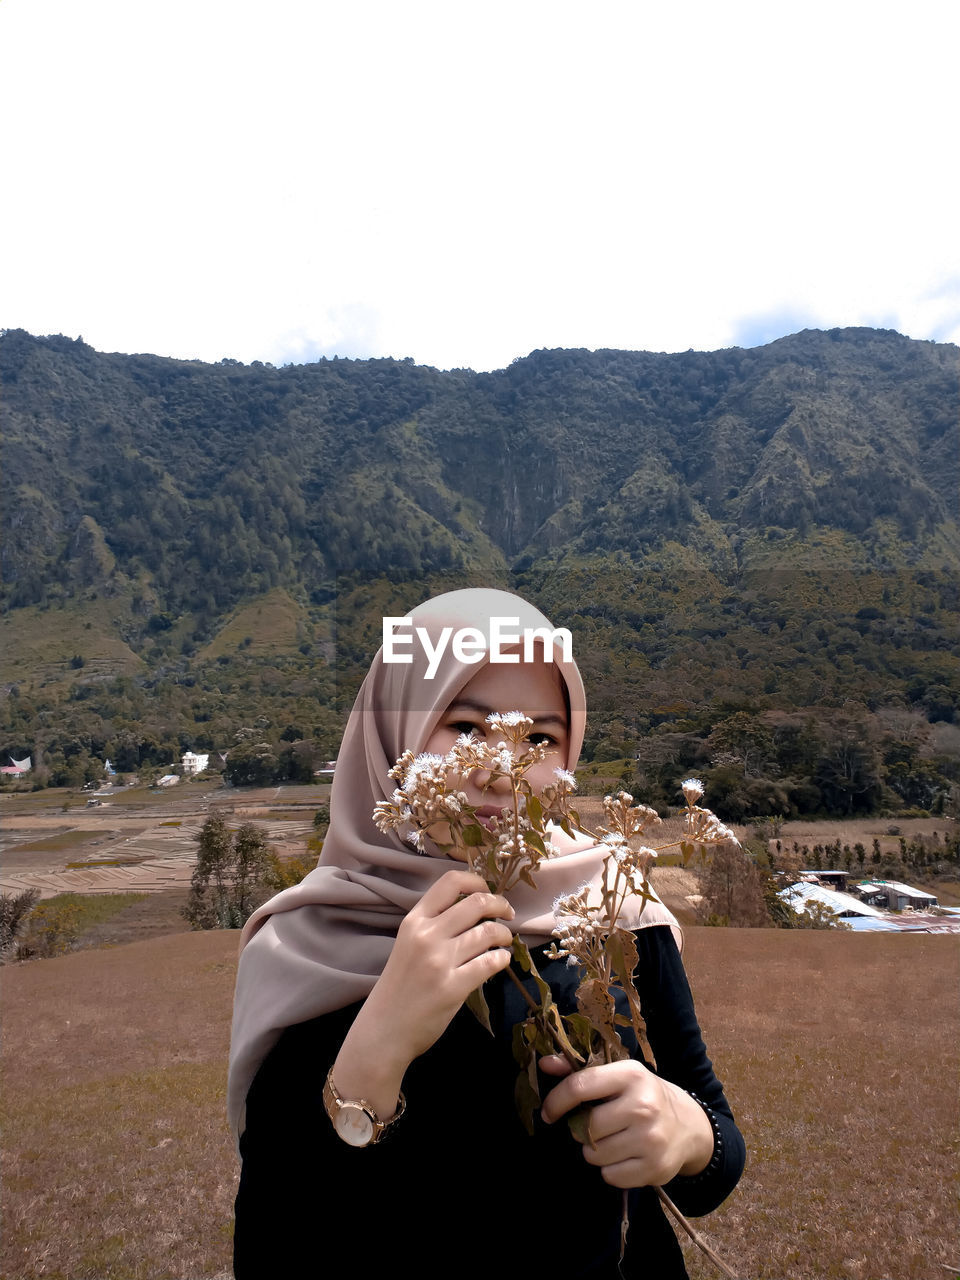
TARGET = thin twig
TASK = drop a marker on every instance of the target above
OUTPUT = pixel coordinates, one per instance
(535, 1008)
(695, 1236)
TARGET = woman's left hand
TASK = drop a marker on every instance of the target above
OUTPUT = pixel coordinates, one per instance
(644, 1129)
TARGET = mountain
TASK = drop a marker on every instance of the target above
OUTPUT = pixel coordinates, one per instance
(162, 517)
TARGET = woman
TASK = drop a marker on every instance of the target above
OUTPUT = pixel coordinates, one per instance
(349, 1027)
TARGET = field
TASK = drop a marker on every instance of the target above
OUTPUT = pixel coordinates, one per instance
(839, 1053)
(137, 840)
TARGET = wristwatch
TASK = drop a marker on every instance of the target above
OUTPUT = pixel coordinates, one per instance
(356, 1122)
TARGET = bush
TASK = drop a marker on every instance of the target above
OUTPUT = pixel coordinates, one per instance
(286, 872)
(51, 930)
(817, 915)
(15, 911)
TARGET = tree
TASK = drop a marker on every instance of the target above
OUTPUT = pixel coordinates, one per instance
(731, 888)
(251, 868)
(746, 738)
(231, 876)
(252, 765)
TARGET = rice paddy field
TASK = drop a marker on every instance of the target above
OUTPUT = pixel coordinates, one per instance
(839, 1052)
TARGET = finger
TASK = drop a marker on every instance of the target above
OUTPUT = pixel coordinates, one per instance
(485, 936)
(630, 1173)
(588, 1085)
(470, 911)
(607, 1148)
(447, 890)
(555, 1064)
(476, 971)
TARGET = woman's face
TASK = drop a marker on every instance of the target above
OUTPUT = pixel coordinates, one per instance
(531, 687)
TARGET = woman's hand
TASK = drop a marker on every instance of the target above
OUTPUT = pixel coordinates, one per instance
(450, 942)
(644, 1129)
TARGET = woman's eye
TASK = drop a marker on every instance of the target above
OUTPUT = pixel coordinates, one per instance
(466, 726)
(544, 738)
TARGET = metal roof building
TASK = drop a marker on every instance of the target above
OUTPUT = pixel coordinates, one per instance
(844, 904)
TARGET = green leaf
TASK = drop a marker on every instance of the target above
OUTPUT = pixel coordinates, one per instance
(532, 837)
(556, 1028)
(521, 1044)
(580, 1031)
(621, 947)
(534, 811)
(521, 953)
(473, 835)
(476, 1002)
(596, 1003)
(527, 1100)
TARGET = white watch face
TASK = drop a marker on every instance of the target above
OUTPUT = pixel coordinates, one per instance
(353, 1125)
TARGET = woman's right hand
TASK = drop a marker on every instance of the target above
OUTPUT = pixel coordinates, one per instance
(453, 940)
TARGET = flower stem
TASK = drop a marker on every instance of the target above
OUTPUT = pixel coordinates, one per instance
(535, 1008)
(695, 1236)
(664, 1198)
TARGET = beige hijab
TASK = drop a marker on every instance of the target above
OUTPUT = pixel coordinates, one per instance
(322, 944)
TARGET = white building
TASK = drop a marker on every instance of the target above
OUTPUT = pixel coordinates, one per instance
(192, 763)
(843, 904)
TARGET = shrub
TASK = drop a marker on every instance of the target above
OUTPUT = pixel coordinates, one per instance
(286, 872)
(51, 930)
(817, 915)
(15, 909)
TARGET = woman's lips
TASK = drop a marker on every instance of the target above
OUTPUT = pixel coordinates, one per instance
(487, 812)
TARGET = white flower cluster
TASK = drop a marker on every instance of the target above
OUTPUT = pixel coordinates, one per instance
(626, 818)
(579, 927)
(704, 827)
(509, 721)
(430, 791)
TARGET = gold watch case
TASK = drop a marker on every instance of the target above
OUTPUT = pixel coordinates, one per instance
(354, 1120)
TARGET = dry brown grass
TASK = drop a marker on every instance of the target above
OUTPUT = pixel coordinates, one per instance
(839, 1053)
(117, 1162)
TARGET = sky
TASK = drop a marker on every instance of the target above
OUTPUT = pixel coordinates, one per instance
(463, 183)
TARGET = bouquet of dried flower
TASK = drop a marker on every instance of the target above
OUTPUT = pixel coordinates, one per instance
(508, 848)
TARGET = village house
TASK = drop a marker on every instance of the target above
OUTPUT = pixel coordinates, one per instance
(829, 879)
(844, 905)
(896, 896)
(192, 763)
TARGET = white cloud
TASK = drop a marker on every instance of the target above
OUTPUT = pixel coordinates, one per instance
(464, 183)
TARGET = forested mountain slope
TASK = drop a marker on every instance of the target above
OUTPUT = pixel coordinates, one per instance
(777, 525)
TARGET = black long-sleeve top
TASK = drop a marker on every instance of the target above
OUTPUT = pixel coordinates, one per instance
(457, 1188)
